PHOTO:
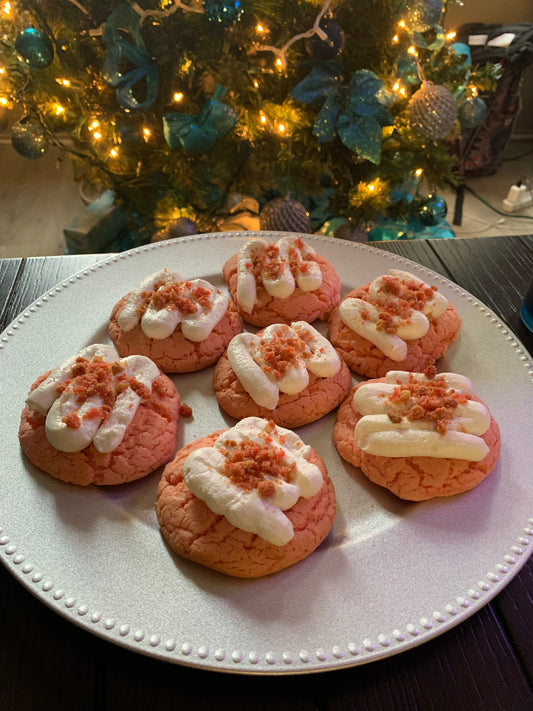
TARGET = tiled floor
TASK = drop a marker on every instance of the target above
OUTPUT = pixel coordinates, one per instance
(38, 199)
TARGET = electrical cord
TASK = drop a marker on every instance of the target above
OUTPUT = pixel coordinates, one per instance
(495, 209)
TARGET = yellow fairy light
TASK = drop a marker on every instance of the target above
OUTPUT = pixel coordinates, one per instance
(113, 153)
(2, 70)
(412, 50)
(3, 100)
(256, 84)
(451, 36)
(279, 63)
(97, 135)
(418, 172)
(7, 8)
(59, 109)
(94, 124)
(395, 39)
(281, 128)
(259, 28)
(396, 86)
(371, 188)
(474, 91)
(178, 96)
(262, 118)
(146, 133)
(63, 82)
(402, 24)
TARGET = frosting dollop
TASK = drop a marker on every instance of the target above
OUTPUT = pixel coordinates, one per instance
(280, 359)
(92, 397)
(399, 308)
(252, 473)
(280, 267)
(164, 300)
(421, 415)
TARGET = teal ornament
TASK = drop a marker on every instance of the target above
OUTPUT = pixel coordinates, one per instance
(198, 134)
(432, 111)
(29, 138)
(331, 45)
(421, 14)
(284, 215)
(120, 51)
(472, 112)
(356, 113)
(431, 210)
(35, 48)
(225, 12)
(387, 228)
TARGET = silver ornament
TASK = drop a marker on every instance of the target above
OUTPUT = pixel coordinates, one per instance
(285, 215)
(432, 111)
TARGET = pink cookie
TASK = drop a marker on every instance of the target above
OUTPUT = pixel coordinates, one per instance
(175, 353)
(149, 441)
(365, 358)
(299, 305)
(414, 478)
(194, 532)
(319, 397)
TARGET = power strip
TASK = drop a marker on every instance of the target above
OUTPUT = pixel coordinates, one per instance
(518, 198)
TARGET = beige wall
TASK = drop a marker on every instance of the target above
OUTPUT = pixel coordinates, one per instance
(504, 12)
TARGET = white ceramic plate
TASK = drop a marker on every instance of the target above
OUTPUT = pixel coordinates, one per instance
(391, 574)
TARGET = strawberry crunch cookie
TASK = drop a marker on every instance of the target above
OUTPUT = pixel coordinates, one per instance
(100, 419)
(182, 326)
(281, 282)
(420, 435)
(289, 374)
(395, 322)
(248, 501)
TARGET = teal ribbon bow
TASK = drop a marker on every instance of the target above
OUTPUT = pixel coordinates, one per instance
(120, 50)
(198, 134)
(356, 112)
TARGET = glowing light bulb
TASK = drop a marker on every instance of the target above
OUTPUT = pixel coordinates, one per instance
(63, 82)
(97, 135)
(371, 188)
(281, 128)
(474, 91)
(94, 124)
(178, 96)
(3, 101)
(279, 63)
(2, 70)
(256, 84)
(451, 35)
(412, 50)
(59, 109)
(262, 118)
(396, 86)
(418, 172)
(395, 39)
(402, 24)
(146, 133)
(7, 8)
(113, 153)
(259, 28)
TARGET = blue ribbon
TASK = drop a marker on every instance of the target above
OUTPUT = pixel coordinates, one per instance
(119, 49)
(356, 113)
(198, 134)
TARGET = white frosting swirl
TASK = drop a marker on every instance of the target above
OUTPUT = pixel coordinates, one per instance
(376, 433)
(263, 378)
(205, 472)
(159, 323)
(363, 317)
(105, 433)
(291, 263)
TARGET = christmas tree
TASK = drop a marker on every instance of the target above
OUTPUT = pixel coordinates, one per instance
(298, 115)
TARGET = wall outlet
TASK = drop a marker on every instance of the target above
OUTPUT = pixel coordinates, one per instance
(518, 198)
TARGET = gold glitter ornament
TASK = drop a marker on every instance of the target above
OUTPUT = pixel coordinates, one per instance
(432, 111)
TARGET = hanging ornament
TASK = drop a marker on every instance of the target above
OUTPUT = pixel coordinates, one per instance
(28, 137)
(432, 111)
(285, 215)
(472, 112)
(421, 14)
(35, 48)
(329, 47)
(431, 210)
(180, 227)
(226, 12)
(349, 232)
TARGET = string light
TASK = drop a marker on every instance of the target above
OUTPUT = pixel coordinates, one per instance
(178, 96)
(451, 36)
(412, 50)
(281, 128)
(63, 82)
(3, 101)
(146, 133)
(395, 39)
(59, 109)
(97, 135)
(113, 153)
(7, 8)
(259, 29)
(2, 70)
(262, 118)
(402, 24)
(256, 84)
(418, 172)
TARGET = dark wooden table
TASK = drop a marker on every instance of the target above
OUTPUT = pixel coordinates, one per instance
(483, 664)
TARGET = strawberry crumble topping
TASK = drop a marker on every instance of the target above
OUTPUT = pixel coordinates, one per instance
(432, 401)
(401, 296)
(280, 353)
(251, 465)
(267, 262)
